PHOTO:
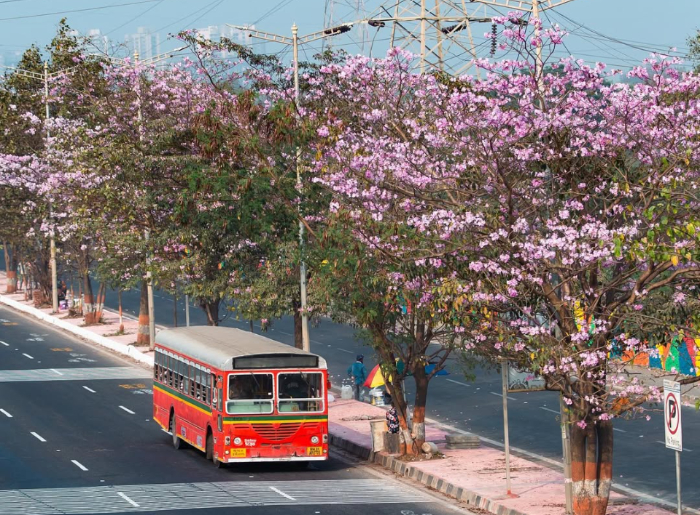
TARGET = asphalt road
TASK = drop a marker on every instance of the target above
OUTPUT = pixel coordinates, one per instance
(76, 437)
(641, 461)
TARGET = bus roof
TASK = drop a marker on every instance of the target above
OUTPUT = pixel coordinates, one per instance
(221, 346)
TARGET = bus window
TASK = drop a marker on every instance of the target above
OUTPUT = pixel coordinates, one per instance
(249, 393)
(187, 375)
(169, 369)
(205, 387)
(300, 391)
(197, 383)
(156, 357)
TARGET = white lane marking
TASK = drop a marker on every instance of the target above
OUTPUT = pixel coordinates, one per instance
(127, 410)
(664, 443)
(457, 382)
(23, 354)
(5, 413)
(89, 389)
(38, 437)
(619, 430)
(348, 351)
(501, 395)
(79, 465)
(54, 370)
(282, 493)
(5, 344)
(126, 498)
(550, 410)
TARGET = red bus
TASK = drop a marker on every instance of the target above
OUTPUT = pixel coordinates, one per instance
(238, 396)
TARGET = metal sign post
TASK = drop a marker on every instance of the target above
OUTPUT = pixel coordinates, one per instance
(504, 376)
(673, 428)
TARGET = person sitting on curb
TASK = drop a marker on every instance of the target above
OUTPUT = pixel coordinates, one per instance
(358, 372)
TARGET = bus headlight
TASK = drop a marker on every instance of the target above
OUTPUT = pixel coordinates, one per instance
(314, 440)
(237, 441)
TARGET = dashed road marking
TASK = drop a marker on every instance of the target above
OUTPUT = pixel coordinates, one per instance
(550, 410)
(457, 382)
(89, 389)
(38, 437)
(344, 350)
(501, 395)
(5, 344)
(5, 413)
(30, 357)
(127, 410)
(79, 465)
(619, 430)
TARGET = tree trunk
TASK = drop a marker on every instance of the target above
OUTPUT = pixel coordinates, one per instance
(11, 268)
(100, 303)
(591, 467)
(175, 309)
(143, 336)
(397, 399)
(419, 409)
(88, 300)
(211, 309)
(298, 336)
(121, 316)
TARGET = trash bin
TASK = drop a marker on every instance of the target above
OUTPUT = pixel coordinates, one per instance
(376, 397)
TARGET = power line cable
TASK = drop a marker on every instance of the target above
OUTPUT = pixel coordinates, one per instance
(135, 17)
(41, 15)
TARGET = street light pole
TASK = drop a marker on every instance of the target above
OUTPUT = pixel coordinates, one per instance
(305, 343)
(52, 237)
(54, 273)
(294, 42)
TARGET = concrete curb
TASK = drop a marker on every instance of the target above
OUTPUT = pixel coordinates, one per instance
(470, 498)
(121, 348)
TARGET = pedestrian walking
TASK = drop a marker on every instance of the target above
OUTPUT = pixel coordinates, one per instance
(358, 372)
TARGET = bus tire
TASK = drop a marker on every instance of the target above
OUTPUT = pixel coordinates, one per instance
(210, 446)
(177, 441)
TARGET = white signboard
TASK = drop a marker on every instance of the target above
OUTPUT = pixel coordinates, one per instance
(672, 415)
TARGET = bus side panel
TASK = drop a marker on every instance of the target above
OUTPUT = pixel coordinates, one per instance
(161, 407)
(192, 424)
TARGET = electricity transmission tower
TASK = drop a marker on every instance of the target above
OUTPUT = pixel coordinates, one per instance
(440, 32)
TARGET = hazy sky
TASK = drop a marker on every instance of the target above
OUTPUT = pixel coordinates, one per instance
(619, 32)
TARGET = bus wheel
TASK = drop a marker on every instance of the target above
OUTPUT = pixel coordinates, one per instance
(210, 446)
(177, 441)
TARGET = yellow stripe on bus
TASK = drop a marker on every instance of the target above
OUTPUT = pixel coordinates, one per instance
(176, 397)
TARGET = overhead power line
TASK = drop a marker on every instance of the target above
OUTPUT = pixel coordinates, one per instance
(42, 15)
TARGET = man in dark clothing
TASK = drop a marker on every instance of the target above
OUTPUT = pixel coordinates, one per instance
(358, 372)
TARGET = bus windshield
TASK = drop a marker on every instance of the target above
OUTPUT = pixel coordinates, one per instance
(249, 394)
(300, 391)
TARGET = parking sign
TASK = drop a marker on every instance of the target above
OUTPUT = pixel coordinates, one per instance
(672, 415)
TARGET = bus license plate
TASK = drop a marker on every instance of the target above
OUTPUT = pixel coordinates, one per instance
(238, 453)
(315, 451)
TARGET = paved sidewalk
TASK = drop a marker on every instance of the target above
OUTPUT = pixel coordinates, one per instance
(474, 476)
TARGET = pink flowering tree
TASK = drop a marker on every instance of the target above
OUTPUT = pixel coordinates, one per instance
(559, 205)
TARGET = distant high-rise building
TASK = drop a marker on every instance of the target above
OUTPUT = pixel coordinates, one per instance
(144, 41)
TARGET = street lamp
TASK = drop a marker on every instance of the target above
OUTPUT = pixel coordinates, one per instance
(294, 42)
(45, 78)
(139, 117)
